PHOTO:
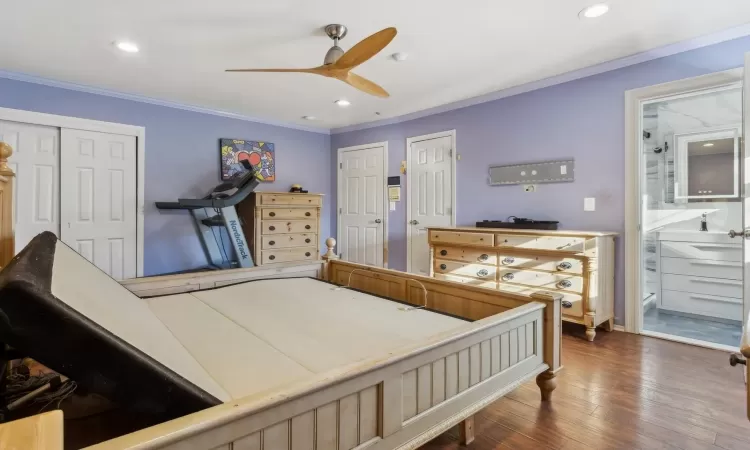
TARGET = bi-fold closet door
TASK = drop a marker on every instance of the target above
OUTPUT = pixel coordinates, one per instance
(80, 185)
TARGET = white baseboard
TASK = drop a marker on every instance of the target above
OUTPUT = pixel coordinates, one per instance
(619, 328)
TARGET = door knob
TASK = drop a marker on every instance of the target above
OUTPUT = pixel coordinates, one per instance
(735, 359)
(378, 220)
(414, 222)
(744, 233)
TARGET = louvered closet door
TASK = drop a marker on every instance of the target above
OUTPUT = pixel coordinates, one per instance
(98, 199)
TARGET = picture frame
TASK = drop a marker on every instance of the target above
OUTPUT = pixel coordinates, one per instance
(261, 154)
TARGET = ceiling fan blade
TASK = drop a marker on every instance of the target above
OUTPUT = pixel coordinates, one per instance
(365, 49)
(364, 85)
(311, 70)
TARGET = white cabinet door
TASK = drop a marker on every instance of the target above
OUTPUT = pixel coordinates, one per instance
(430, 192)
(362, 215)
(35, 161)
(98, 199)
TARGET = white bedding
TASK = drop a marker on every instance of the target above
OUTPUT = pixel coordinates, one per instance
(238, 340)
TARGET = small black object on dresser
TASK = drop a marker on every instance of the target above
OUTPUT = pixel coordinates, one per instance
(519, 223)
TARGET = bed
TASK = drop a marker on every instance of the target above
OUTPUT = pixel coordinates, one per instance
(330, 355)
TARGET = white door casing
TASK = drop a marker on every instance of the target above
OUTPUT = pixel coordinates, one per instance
(746, 191)
(430, 193)
(362, 217)
(98, 199)
(36, 163)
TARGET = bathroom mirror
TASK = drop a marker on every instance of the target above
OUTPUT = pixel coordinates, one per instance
(707, 166)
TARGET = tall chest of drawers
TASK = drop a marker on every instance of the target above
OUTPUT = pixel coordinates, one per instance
(578, 265)
(282, 226)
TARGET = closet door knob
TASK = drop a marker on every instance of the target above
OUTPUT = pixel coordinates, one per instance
(272, 228)
(307, 214)
(564, 284)
(307, 253)
(272, 243)
(443, 267)
(307, 227)
(508, 260)
(272, 214)
(484, 257)
(565, 265)
(735, 359)
(508, 277)
(567, 304)
(271, 257)
(483, 273)
(307, 241)
(443, 252)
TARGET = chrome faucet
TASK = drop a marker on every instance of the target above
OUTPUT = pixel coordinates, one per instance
(704, 226)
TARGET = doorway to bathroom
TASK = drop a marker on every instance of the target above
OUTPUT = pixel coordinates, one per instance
(689, 281)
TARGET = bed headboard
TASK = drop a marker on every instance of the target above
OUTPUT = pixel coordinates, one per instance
(7, 239)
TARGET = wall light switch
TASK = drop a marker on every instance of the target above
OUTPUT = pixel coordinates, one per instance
(589, 204)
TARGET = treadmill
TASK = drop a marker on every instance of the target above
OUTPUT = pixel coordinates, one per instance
(216, 211)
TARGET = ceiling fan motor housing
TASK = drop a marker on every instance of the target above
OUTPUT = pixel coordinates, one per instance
(333, 55)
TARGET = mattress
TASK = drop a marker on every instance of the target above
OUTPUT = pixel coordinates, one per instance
(180, 353)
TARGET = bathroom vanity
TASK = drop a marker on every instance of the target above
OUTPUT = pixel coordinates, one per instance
(700, 273)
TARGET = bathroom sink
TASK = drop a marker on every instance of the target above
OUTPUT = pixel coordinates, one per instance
(718, 237)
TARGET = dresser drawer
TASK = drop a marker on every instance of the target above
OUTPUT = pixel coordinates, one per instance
(698, 250)
(289, 199)
(460, 237)
(290, 254)
(703, 304)
(289, 226)
(731, 270)
(465, 269)
(289, 213)
(466, 255)
(572, 304)
(702, 285)
(466, 280)
(571, 244)
(562, 265)
(288, 240)
(550, 281)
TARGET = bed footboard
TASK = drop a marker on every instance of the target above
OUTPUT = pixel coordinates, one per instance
(400, 401)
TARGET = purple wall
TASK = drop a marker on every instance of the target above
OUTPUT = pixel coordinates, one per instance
(583, 119)
(182, 160)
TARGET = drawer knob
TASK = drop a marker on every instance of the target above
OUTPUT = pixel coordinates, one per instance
(508, 260)
(307, 227)
(567, 304)
(307, 253)
(564, 284)
(443, 267)
(484, 257)
(272, 214)
(307, 214)
(307, 241)
(271, 242)
(443, 252)
(565, 265)
(508, 277)
(272, 228)
(483, 273)
(273, 199)
(271, 257)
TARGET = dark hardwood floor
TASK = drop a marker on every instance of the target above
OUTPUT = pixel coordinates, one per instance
(621, 391)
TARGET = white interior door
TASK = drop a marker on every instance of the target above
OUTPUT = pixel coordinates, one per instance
(430, 193)
(36, 163)
(98, 199)
(361, 209)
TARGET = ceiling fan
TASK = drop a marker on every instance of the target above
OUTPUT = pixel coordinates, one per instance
(338, 64)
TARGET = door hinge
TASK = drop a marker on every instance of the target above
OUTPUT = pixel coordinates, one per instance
(341, 165)
(340, 210)
(450, 152)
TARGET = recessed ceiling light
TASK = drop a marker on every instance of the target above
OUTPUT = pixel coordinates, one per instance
(127, 47)
(309, 117)
(400, 56)
(708, 144)
(343, 103)
(594, 11)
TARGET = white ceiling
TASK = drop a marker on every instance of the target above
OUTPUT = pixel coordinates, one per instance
(458, 49)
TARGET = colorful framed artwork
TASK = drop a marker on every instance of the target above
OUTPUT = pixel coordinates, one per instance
(261, 155)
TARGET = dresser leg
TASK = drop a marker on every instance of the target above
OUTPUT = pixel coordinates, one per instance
(590, 333)
(609, 325)
(466, 431)
(547, 383)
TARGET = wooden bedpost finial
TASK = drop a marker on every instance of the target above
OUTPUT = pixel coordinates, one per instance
(5, 152)
(330, 244)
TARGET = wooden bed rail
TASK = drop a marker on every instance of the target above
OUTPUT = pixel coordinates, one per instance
(7, 237)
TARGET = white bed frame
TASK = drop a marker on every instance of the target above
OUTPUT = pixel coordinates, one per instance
(396, 401)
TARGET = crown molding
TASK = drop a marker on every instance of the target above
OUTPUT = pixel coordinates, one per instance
(638, 58)
(17, 76)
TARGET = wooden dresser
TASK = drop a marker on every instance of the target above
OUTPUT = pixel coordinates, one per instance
(578, 265)
(281, 226)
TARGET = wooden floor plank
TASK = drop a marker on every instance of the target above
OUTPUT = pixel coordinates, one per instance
(622, 391)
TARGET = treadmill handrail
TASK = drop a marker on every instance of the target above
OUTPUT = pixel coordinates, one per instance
(225, 202)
